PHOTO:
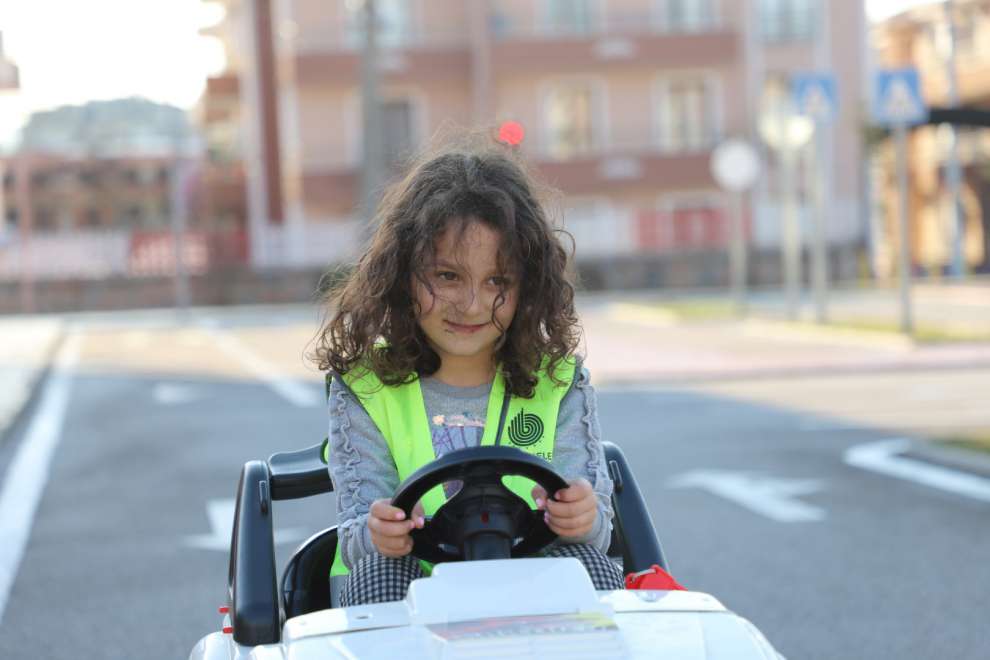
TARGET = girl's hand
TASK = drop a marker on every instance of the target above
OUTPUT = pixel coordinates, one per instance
(574, 511)
(390, 529)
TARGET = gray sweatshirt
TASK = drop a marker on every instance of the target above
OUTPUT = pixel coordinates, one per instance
(363, 471)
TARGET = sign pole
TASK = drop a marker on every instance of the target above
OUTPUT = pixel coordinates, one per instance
(819, 255)
(816, 96)
(736, 167)
(907, 321)
(957, 266)
(737, 254)
(792, 235)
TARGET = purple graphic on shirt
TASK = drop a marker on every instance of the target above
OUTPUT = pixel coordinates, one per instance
(453, 433)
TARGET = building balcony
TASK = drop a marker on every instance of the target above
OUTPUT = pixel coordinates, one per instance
(620, 46)
(447, 55)
(336, 189)
(221, 99)
(443, 62)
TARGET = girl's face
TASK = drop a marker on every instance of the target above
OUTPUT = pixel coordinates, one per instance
(457, 317)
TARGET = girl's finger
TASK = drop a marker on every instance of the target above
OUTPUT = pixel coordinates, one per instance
(579, 489)
(539, 495)
(393, 543)
(390, 528)
(569, 533)
(571, 524)
(571, 509)
(382, 509)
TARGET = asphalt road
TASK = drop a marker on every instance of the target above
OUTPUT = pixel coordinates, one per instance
(160, 418)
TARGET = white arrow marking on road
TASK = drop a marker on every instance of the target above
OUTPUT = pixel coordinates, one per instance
(170, 394)
(221, 515)
(882, 457)
(766, 496)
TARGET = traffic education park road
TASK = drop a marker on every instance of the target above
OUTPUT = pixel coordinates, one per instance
(115, 485)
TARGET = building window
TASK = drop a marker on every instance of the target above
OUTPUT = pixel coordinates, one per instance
(788, 20)
(44, 219)
(687, 115)
(89, 178)
(688, 15)
(134, 216)
(91, 218)
(13, 218)
(776, 95)
(394, 22)
(571, 16)
(568, 117)
(397, 126)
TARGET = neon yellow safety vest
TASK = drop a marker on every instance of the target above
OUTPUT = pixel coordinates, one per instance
(400, 415)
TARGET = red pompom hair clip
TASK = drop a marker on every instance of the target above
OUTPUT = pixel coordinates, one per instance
(511, 133)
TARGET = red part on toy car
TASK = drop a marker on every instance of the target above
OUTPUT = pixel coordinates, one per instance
(653, 578)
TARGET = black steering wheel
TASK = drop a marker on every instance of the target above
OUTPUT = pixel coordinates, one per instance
(484, 520)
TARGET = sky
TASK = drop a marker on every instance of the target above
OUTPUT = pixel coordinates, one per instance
(73, 51)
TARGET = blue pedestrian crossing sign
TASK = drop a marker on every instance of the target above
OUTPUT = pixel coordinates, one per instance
(815, 96)
(897, 98)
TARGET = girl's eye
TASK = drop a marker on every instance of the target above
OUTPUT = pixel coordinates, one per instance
(500, 281)
(447, 276)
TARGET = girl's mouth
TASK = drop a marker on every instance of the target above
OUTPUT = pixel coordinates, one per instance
(464, 328)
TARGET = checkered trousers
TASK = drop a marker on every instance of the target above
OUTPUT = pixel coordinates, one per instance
(379, 579)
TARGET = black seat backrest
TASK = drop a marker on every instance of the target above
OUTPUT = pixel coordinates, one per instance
(306, 580)
(633, 534)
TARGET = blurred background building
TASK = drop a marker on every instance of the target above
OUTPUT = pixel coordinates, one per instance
(267, 182)
(921, 38)
(622, 103)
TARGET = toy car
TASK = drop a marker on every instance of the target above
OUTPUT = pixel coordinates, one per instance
(485, 599)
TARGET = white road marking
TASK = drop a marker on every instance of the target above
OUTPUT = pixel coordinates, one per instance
(171, 394)
(221, 515)
(28, 471)
(882, 457)
(288, 388)
(767, 496)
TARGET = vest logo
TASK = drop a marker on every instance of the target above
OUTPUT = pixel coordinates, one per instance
(525, 429)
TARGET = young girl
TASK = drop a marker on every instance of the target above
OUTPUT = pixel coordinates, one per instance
(462, 295)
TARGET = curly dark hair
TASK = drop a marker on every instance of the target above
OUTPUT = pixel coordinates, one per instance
(371, 316)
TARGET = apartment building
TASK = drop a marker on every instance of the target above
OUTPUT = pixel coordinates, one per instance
(919, 38)
(622, 102)
(62, 193)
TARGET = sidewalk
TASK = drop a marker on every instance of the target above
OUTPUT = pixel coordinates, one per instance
(27, 345)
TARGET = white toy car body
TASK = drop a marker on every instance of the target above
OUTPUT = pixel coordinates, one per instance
(525, 607)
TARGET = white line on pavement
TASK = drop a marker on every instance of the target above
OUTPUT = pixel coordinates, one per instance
(883, 457)
(28, 471)
(221, 516)
(288, 388)
(767, 496)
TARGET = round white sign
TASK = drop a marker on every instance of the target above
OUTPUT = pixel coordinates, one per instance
(735, 165)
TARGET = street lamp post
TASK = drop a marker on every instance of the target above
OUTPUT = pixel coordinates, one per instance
(787, 133)
(953, 171)
(372, 175)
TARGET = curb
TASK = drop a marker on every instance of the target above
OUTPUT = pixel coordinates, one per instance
(832, 334)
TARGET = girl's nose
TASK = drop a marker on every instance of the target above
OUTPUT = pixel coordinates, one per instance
(471, 302)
